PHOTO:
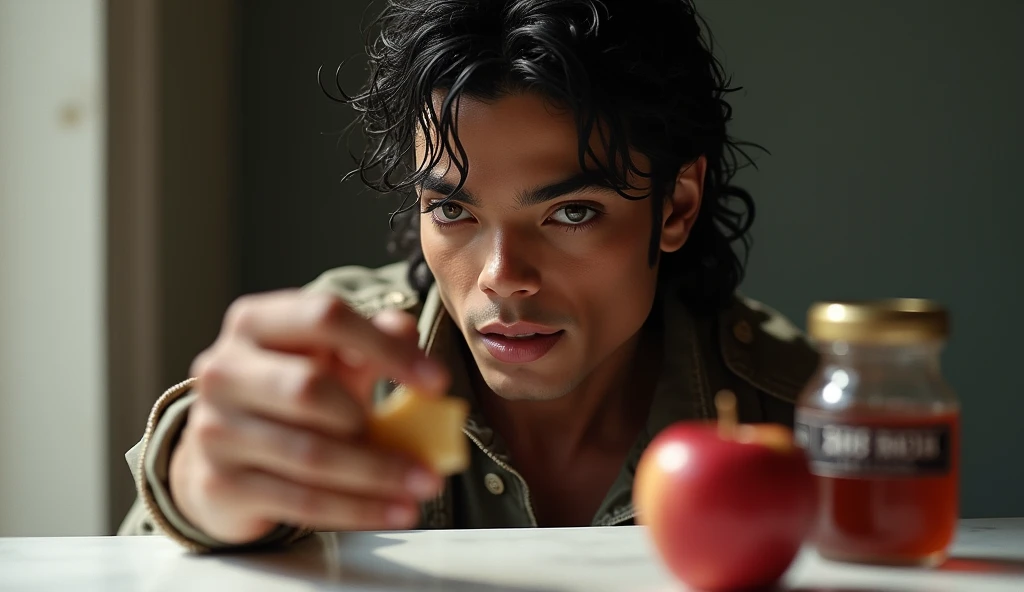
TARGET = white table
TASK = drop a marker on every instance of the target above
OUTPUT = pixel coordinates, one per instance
(988, 557)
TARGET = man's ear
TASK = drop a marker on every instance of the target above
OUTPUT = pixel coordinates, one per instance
(681, 205)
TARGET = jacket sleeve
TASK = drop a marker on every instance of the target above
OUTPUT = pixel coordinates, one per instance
(154, 511)
(367, 290)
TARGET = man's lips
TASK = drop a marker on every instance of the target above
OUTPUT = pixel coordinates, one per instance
(519, 343)
(516, 329)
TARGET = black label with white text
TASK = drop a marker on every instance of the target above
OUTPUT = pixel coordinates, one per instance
(837, 448)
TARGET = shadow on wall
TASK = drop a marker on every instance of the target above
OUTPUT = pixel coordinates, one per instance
(893, 129)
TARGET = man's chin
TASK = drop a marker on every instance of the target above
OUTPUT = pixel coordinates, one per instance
(519, 383)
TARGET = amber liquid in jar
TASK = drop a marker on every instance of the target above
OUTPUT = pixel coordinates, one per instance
(897, 504)
(881, 428)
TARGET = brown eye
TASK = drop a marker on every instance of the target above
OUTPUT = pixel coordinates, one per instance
(451, 211)
(575, 214)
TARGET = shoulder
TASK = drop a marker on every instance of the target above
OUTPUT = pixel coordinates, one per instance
(369, 290)
(765, 349)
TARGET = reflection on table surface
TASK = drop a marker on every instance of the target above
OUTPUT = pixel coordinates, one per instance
(988, 557)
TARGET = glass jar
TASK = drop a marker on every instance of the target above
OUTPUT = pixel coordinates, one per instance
(881, 427)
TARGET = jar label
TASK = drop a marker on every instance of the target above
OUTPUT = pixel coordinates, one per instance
(838, 447)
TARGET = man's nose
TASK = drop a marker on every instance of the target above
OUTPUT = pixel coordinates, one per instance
(510, 268)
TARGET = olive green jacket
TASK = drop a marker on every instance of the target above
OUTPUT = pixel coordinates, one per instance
(748, 349)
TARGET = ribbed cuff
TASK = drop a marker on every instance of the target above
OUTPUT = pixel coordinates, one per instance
(166, 422)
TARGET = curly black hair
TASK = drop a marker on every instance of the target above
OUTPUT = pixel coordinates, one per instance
(640, 72)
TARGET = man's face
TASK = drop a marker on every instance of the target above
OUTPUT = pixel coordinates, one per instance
(546, 277)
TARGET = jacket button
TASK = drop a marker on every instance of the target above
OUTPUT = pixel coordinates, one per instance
(743, 332)
(394, 298)
(494, 484)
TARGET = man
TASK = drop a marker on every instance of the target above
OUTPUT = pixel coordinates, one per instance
(570, 273)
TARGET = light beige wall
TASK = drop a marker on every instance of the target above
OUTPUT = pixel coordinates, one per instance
(52, 352)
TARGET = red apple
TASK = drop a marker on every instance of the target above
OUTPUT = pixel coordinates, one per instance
(727, 507)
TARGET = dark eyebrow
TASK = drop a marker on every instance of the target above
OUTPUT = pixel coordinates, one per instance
(439, 185)
(577, 183)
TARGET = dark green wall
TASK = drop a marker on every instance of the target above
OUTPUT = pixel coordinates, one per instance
(894, 130)
(297, 219)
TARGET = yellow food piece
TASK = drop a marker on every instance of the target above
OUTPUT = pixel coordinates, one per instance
(428, 429)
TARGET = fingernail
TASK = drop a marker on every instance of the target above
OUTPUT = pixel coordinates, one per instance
(401, 516)
(421, 484)
(430, 373)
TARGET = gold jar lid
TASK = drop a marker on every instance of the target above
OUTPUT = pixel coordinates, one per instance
(884, 322)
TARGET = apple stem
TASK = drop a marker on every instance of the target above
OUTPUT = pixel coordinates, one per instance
(725, 403)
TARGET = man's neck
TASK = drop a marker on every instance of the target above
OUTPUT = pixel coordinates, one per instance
(604, 412)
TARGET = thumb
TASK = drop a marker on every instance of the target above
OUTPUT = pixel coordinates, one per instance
(358, 374)
(401, 325)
